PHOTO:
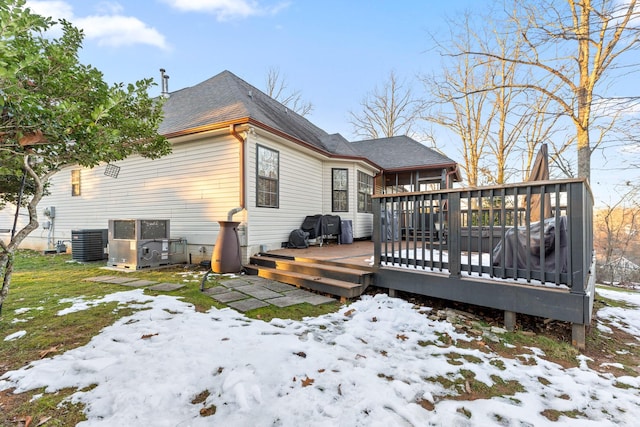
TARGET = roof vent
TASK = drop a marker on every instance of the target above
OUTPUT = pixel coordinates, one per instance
(250, 94)
(164, 83)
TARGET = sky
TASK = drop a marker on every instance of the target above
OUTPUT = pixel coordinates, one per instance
(334, 52)
(371, 363)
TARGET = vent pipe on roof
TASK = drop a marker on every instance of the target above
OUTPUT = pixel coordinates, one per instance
(164, 83)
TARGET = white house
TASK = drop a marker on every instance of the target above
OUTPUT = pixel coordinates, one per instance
(237, 153)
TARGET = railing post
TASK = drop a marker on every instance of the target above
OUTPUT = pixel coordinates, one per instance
(577, 237)
(377, 225)
(453, 240)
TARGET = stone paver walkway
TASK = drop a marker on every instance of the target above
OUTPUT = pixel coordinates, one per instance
(246, 293)
(134, 282)
(242, 293)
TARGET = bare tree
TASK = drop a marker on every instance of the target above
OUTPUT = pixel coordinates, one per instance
(617, 227)
(491, 124)
(542, 127)
(388, 111)
(571, 45)
(278, 89)
(463, 115)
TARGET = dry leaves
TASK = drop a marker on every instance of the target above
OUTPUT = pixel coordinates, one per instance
(45, 353)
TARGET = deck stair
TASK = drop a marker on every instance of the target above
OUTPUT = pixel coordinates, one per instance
(342, 280)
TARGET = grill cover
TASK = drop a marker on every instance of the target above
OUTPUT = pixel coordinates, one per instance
(330, 225)
(312, 224)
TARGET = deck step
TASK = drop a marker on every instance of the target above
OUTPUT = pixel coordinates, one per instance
(317, 283)
(314, 268)
(345, 281)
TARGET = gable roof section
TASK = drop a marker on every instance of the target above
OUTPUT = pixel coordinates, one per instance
(401, 152)
(226, 98)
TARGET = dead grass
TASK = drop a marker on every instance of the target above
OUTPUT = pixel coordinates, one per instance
(41, 282)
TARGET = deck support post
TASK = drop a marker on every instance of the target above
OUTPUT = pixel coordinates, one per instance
(579, 335)
(393, 293)
(510, 320)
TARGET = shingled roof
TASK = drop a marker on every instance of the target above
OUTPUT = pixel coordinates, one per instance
(225, 98)
(401, 152)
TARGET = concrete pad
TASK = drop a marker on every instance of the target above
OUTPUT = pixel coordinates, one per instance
(285, 301)
(257, 280)
(235, 283)
(166, 287)
(119, 280)
(230, 296)
(279, 286)
(138, 283)
(258, 291)
(99, 278)
(299, 293)
(314, 299)
(216, 290)
(247, 304)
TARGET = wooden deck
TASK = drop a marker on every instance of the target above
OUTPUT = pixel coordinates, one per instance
(441, 244)
(359, 253)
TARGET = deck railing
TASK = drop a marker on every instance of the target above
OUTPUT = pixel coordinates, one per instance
(489, 232)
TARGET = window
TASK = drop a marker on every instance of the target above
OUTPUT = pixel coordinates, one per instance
(340, 190)
(75, 182)
(365, 190)
(268, 173)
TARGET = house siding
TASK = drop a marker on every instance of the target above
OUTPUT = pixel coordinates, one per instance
(300, 194)
(194, 187)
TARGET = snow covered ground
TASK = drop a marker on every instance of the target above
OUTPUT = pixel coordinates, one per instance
(371, 364)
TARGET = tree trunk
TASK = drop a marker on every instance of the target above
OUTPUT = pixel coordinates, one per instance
(6, 268)
(584, 155)
(7, 251)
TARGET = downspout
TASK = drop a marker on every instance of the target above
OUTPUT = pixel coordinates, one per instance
(448, 182)
(242, 140)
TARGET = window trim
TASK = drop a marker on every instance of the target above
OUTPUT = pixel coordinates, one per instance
(260, 178)
(365, 179)
(76, 183)
(334, 191)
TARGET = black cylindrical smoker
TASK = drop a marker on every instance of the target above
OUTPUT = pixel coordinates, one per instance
(226, 256)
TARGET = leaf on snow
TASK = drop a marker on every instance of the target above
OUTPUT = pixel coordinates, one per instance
(307, 382)
(147, 336)
(45, 353)
(402, 337)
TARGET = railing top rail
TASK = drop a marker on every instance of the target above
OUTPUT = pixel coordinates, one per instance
(489, 187)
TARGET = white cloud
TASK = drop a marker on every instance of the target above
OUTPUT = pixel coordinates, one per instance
(109, 8)
(54, 9)
(108, 28)
(118, 30)
(226, 9)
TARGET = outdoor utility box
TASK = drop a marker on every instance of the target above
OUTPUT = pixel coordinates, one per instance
(346, 232)
(143, 243)
(89, 245)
